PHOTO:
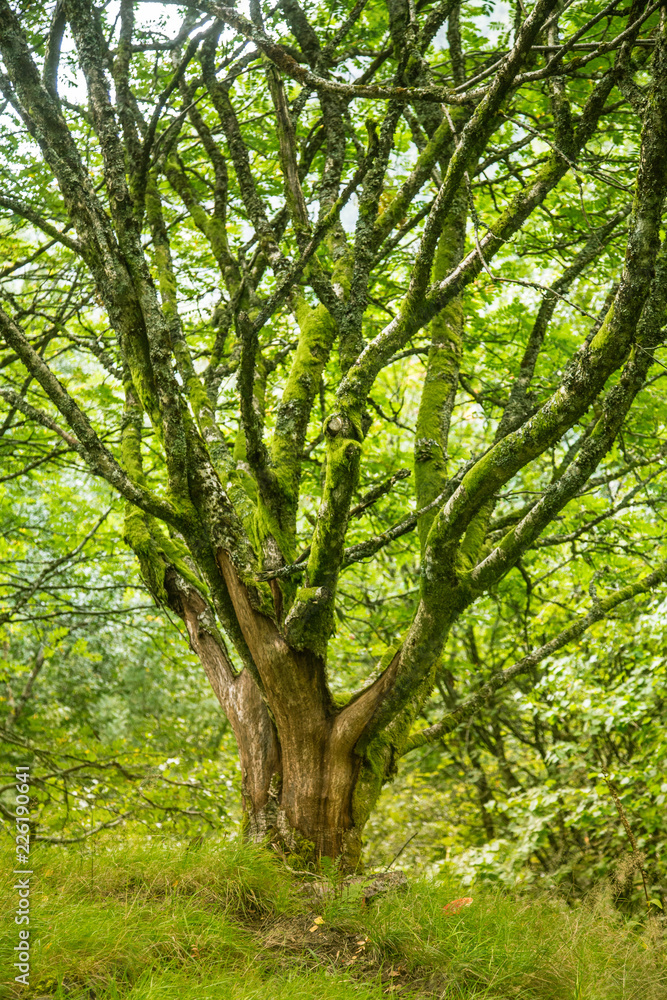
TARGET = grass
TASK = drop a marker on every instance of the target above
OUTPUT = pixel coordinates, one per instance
(229, 921)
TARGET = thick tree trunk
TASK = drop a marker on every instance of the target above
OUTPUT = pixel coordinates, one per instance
(308, 812)
(316, 801)
(296, 748)
(316, 806)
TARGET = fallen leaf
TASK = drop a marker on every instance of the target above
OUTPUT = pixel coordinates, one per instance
(457, 905)
(318, 920)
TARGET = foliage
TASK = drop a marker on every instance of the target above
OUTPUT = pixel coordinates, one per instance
(521, 793)
(126, 729)
(459, 800)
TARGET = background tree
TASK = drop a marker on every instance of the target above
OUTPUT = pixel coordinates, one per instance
(96, 689)
(521, 792)
(253, 300)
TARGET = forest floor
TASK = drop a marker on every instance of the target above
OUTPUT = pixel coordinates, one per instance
(230, 922)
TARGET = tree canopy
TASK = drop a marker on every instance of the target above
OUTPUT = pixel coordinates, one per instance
(356, 309)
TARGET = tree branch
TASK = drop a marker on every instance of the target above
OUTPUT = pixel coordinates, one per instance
(601, 610)
(97, 456)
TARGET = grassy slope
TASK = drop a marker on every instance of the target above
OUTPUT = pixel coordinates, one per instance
(228, 921)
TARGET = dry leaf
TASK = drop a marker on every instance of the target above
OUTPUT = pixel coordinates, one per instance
(457, 905)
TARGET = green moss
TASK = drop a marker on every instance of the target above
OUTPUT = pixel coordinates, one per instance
(156, 552)
(140, 540)
(601, 339)
(342, 273)
(136, 352)
(343, 458)
(316, 337)
(442, 374)
(474, 538)
(366, 793)
(130, 448)
(310, 622)
(269, 533)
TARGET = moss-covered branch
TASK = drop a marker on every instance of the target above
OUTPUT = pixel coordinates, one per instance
(193, 386)
(239, 154)
(310, 622)
(316, 338)
(396, 334)
(615, 407)
(97, 455)
(442, 374)
(595, 361)
(294, 198)
(354, 553)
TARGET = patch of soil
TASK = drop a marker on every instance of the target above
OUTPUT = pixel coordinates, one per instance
(309, 939)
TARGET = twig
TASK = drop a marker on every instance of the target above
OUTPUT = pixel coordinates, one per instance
(624, 821)
(401, 849)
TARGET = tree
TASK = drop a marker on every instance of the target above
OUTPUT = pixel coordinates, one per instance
(216, 202)
(524, 791)
(96, 708)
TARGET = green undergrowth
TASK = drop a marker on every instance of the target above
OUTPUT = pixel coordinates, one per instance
(226, 920)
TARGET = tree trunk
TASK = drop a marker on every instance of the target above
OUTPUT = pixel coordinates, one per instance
(300, 773)
(309, 809)
(317, 800)
(318, 811)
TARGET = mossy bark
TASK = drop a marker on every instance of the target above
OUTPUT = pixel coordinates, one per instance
(442, 374)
